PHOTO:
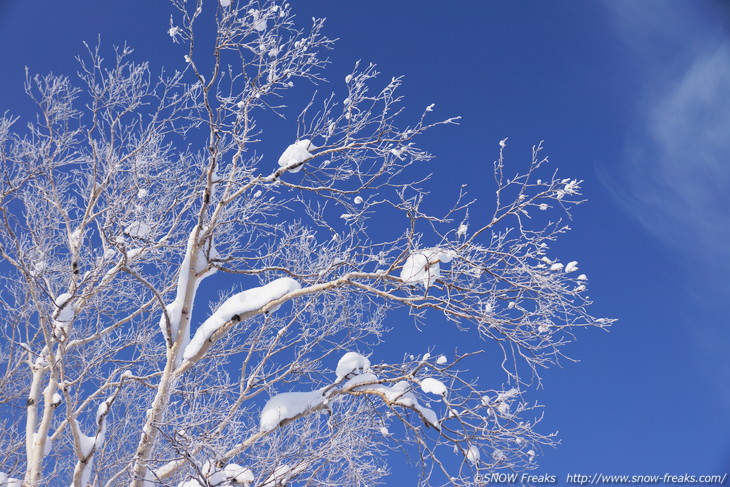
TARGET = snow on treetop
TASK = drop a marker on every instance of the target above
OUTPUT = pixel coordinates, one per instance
(423, 266)
(571, 266)
(352, 362)
(287, 406)
(296, 153)
(239, 304)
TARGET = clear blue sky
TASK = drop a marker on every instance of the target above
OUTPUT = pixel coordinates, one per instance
(631, 96)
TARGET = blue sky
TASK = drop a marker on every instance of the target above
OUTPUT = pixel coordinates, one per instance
(633, 97)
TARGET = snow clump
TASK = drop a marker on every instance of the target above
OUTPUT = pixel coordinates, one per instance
(138, 230)
(296, 154)
(259, 21)
(433, 386)
(288, 405)
(352, 362)
(65, 309)
(472, 454)
(557, 267)
(6, 481)
(423, 266)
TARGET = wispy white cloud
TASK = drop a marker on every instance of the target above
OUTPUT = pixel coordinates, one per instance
(675, 177)
(675, 174)
(677, 162)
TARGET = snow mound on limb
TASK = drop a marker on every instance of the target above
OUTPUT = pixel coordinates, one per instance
(65, 308)
(239, 304)
(352, 362)
(472, 454)
(6, 481)
(296, 154)
(282, 475)
(430, 385)
(423, 266)
(288, 405)
(239, 475)
(138, 229)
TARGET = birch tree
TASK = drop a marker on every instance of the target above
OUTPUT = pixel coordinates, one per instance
(135, 195)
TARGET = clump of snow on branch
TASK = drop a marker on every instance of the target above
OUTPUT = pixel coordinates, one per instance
(65, 314)
(231, 474)
(6, 481)
(296, 154)
(89, 445)
(433, 386)
(260, 22)
(237, 305)
(238, 474)
(503, 402)
(472, 452)
(138, 229)
(289, 405)
(65, 309)
(281, 476)
(424, 266)
(352, 363)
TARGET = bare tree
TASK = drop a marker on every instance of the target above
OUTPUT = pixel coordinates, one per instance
(131, 190)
